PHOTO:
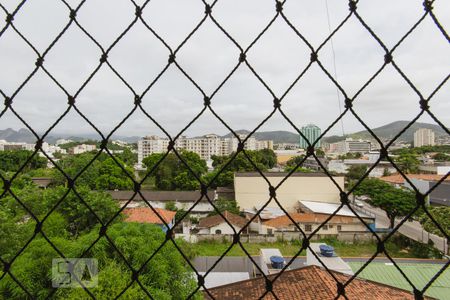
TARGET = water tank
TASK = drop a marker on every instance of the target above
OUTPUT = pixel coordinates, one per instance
(277, 262)
(326, 250)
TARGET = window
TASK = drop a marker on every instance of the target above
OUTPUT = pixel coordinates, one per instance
(218, 231)
(339, 227)
(325, 227)
(308, 228)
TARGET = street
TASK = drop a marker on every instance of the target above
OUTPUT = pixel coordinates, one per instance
(411, 229)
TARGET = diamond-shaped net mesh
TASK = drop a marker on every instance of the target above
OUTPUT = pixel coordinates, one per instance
(242, 61)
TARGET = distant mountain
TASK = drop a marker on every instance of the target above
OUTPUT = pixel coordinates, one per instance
(23, 135)
(392, 129)
(275, 136)
(385, 132)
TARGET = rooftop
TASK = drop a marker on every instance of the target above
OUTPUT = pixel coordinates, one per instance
(146, 215)
(334, 263)
(307, 283)
(284, 221)
(330, 208)
(181, 196)
(215, 220)
(398, 179)
(279, 174)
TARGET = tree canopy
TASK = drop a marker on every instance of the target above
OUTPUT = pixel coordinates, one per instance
(396, 202)
(12, 160)
(172, 173)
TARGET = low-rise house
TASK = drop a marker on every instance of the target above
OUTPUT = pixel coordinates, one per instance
(217, 225)
(309, 222)
(158, 199)
(307, 283)
(147, 215)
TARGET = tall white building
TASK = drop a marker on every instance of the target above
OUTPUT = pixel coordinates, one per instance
(423, 137)
(205, 146)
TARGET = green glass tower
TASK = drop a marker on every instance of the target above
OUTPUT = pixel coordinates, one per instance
(312, 133)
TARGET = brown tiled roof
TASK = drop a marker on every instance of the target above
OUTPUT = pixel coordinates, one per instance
(209, 222)
(146, 215)
(398, 179)
(162, 195)
(284, 221)
(308, 283)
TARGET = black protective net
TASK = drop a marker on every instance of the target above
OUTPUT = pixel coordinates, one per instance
(423, 102)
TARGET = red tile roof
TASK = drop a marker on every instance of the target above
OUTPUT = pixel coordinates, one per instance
(284, 221)
(398, 179)
(209, 222)
(308, 283)
(146, 215)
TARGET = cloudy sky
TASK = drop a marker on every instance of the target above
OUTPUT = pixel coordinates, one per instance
(209, 56)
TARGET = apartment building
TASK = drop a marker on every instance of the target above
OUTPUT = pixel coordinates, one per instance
(205, 146)
(424, 137)
(350, 145)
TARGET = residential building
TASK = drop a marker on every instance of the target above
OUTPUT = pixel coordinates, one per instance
(205, 146)
(159, 199)
(308, 283)
(424, 137)
(251, 190)
(435, 168)
(79, 149)
(398, 180)
(350, 145)
(312, 133)
(309, 222)
(147, 215)
(217, 225)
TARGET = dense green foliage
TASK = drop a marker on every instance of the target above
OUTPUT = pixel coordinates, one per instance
(424, 149)
(350, 155)
(293, 162)
(407, 162)
(264, 160)
(13, 160)
(355, 172)
(102, 174)
(172, 173)
(396, 202)
(166, 276)
(224, 204)
(440, 214)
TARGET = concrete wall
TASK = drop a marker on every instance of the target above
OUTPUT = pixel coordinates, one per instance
(254, 192)
(349, 237)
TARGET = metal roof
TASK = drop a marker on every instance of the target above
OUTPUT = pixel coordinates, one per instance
(330, 208)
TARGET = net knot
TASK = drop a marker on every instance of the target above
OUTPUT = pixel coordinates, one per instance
(206, 101)
(102, 231)
(73, 14)
(420, 199)
(424, 104)
(9, 18)
(314, 57)
(269, 285)
(38, 144)
(70, 100)
(170, 145)
(171, 58)
(39, 61)
(38, 227)
(6, 267)
(236, 238)
(344, 197)
(272, 192)
(137, 100)
(348, 103)
(103, 57)
(8, 101)
(428, 5)
(352, 5)
(207, 9)
(138, 11)
(279, 6)
(276, 103)
(388, 58)
(242, 57)
(200, 280)
(310, 150)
